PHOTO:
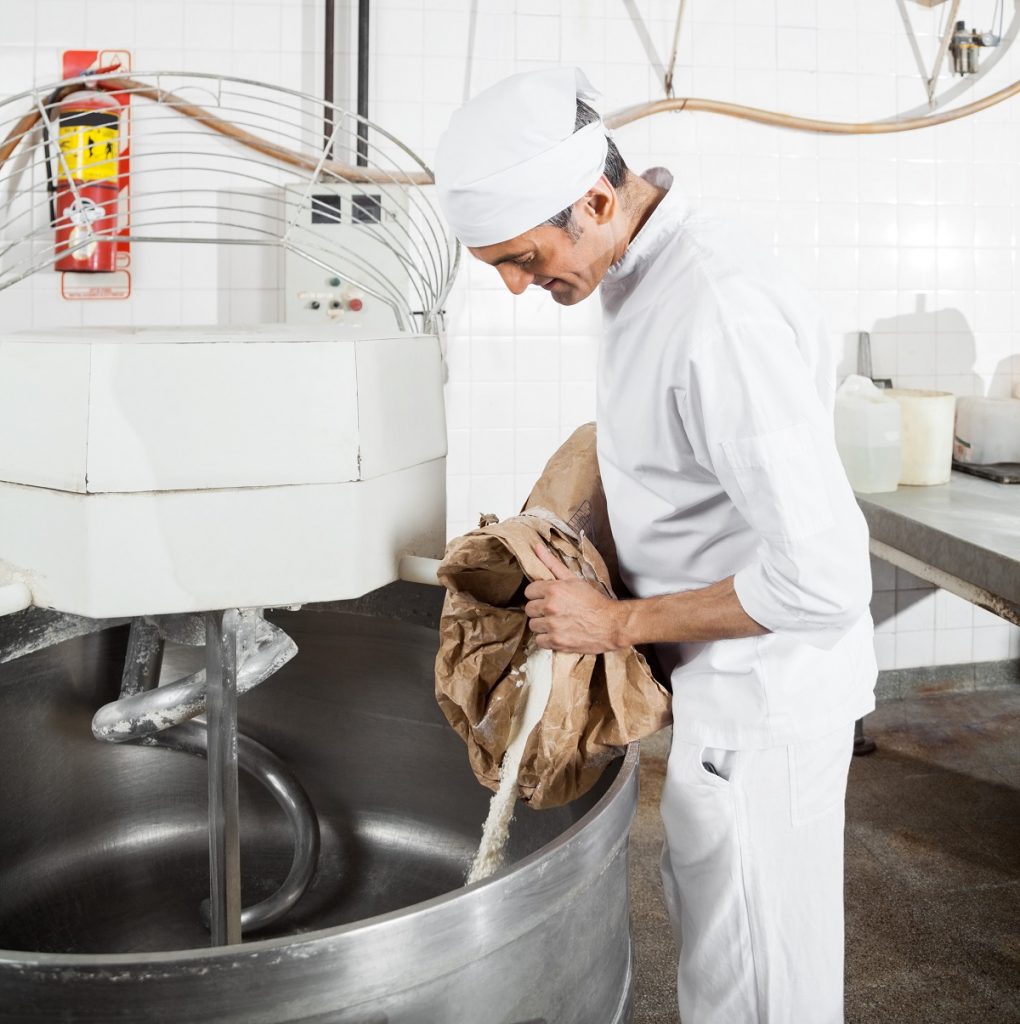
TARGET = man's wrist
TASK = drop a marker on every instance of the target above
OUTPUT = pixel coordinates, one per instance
(626, 625)
(649, 620)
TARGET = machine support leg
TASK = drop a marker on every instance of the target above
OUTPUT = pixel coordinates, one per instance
(221, 717)
(862, 745)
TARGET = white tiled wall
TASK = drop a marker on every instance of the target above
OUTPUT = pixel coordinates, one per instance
(918, 625)
(910, 236)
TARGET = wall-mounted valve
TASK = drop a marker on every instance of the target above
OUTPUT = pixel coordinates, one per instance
(964, 48)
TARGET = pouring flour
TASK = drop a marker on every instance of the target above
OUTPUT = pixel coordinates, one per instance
(535, 678)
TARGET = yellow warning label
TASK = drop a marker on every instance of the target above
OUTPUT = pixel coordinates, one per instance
(89, 151)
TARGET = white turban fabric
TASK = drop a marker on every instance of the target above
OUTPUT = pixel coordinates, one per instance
(511, 159)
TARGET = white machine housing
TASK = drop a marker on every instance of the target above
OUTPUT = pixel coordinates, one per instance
(150, 471)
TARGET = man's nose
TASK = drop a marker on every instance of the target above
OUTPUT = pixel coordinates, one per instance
(515, 278)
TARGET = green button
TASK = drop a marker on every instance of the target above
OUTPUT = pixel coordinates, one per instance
(334, 282)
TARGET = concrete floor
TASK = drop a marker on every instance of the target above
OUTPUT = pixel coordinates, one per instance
(933, 868)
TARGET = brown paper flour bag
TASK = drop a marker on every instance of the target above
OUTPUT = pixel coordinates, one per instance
(570, 487)
(598, 703)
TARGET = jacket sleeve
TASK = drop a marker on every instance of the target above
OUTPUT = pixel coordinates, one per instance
(754, 417)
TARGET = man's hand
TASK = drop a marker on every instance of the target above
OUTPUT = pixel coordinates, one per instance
(567, 613)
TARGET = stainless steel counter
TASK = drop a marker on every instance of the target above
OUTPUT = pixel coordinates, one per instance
(963, 536)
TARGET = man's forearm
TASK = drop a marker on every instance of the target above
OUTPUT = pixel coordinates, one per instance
(696, 616)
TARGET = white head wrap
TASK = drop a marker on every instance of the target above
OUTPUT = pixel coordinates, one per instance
(511, 159)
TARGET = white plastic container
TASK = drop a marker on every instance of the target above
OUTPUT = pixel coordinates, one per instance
(926, 429)
(987, 430)
(868, 436)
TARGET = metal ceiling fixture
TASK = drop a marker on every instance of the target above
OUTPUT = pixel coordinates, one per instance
(961, 43)
(956, 39)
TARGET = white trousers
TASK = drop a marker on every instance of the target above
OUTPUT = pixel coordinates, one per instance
(753, 876)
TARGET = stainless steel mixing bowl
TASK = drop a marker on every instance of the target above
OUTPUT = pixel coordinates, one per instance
(103, 857)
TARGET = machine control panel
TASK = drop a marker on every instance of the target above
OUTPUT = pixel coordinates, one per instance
(345, 262)
(335, 299)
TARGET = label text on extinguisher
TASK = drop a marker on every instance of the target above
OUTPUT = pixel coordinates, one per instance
(89, 146)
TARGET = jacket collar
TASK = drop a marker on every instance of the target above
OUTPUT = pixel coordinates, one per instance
(662, 222)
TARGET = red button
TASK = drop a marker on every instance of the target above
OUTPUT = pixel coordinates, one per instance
(355, 304)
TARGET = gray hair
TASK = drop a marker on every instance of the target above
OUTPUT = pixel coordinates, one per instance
(615, 171)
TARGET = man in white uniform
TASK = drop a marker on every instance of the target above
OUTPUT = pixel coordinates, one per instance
(736, 529)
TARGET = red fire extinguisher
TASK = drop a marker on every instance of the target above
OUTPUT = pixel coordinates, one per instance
(87, 183)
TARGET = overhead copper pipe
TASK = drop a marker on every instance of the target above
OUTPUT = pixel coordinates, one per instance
(627, 115)
(617, 119)
(357, 175)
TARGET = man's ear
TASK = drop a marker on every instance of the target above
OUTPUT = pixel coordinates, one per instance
(600, 201)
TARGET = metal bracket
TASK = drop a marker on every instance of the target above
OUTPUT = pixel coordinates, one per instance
(947, 581)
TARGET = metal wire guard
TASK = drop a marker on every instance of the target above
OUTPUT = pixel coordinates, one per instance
(224, 160)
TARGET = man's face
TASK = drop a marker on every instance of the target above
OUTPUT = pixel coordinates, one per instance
(567, 265)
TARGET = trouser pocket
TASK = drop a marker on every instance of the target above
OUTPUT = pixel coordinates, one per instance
(718, 763)
(696, 803)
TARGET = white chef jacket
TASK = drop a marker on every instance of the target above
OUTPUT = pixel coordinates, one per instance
(716, 449)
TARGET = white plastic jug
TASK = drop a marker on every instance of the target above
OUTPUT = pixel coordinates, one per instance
(868, 436)
(987, 430)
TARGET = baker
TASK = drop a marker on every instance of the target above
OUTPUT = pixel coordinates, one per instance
(736, 530)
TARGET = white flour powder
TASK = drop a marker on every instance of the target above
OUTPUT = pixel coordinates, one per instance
(536, 681)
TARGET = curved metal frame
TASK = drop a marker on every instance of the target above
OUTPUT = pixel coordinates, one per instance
(249, 131)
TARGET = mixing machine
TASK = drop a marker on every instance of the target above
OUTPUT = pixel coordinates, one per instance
(166, 495)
